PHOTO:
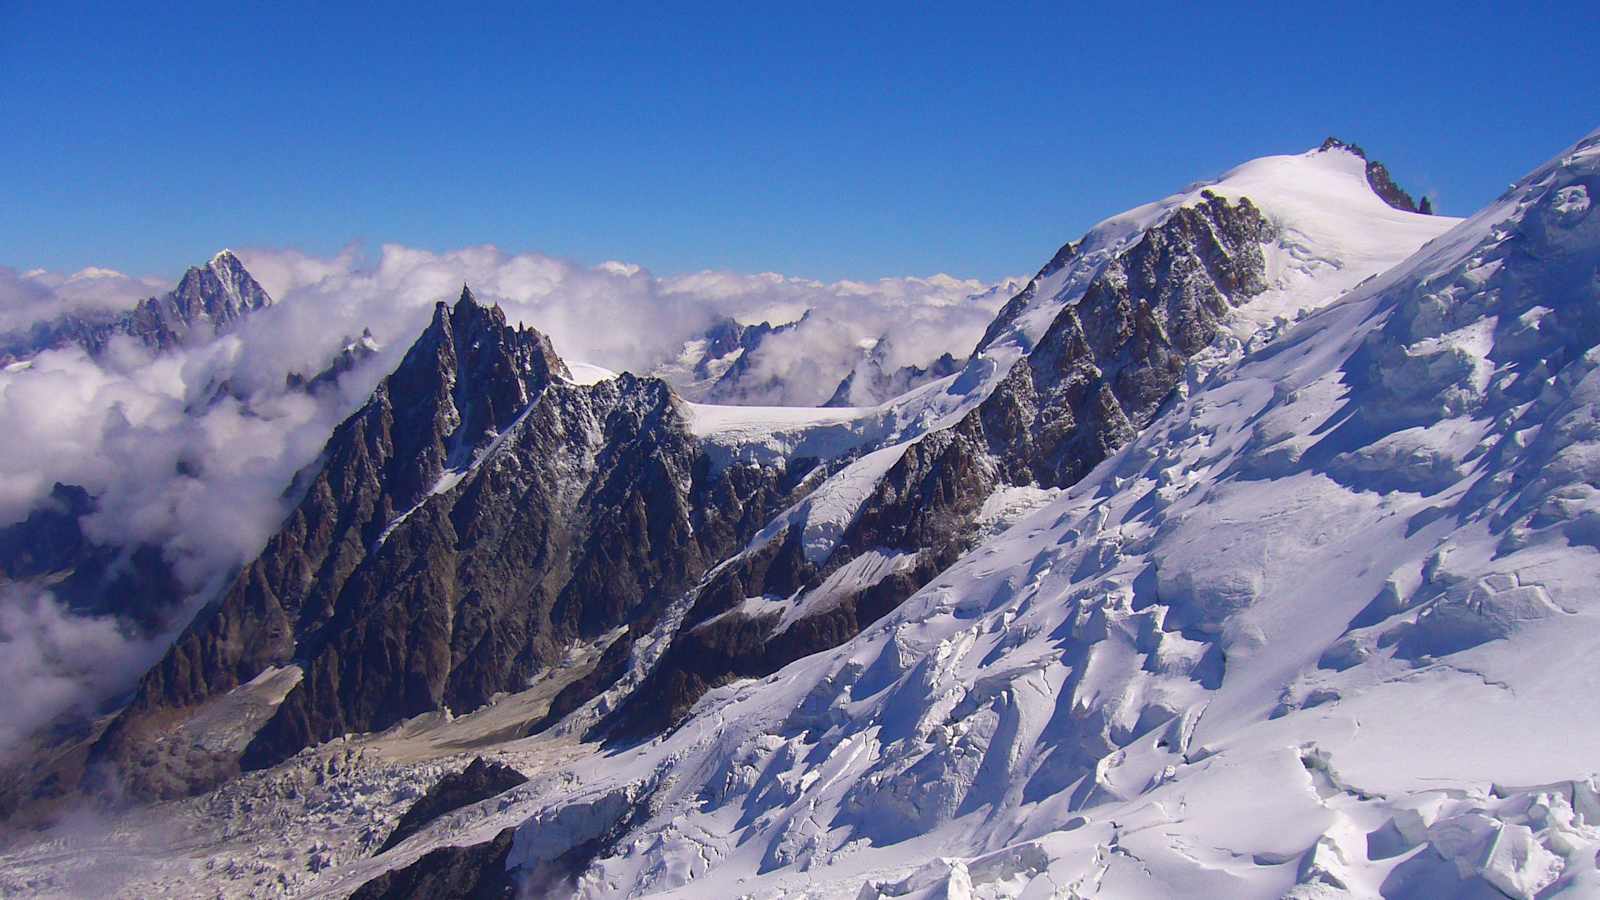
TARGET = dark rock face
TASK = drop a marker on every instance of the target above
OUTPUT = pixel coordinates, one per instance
(352, 354)
(49, 547)
(1381, 182)
(478, 781)
(1100, 373)
(738, 383)
(50, 539)
(476, 517)
(208, 300)
(477, 872)
(1108, 362)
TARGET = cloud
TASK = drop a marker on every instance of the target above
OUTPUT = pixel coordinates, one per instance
(910, 321)
(615, 314)
(36, 295)
(191, 451)
(60, 662)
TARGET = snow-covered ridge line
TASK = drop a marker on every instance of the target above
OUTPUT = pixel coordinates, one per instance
(1327, 216)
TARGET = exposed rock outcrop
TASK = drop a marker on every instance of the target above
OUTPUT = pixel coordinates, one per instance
(478, 781)
(1382, 183)
(475, 872)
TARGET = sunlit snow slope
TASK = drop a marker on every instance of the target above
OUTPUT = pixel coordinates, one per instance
(1326, 629)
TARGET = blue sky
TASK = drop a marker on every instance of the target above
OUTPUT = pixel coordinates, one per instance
(831, 141)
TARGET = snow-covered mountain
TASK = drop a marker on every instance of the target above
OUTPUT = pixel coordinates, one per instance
(1322, 630)
(1244, 556)
(1084, 357)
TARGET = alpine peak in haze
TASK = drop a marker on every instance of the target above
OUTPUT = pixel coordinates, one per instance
(208, 300)
(842, 354)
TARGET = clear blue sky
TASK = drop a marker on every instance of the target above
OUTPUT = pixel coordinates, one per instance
(853, 140)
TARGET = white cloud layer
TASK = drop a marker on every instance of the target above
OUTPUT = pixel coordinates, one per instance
(615, 314)
(26, 297)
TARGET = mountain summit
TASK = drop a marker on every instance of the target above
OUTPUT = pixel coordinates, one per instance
(1382, 182)
(207, 301)
(464, 529)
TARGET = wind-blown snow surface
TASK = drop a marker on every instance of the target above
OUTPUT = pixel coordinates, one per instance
(1326, 629)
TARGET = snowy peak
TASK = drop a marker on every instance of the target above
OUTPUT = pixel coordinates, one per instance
(208, 300)
(1117, 327)
(719, 366)
(1329, 230)
(1379, 179)
(217, 294)
(839, 351)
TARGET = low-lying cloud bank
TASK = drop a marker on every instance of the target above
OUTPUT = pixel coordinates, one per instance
(191, 451)
(621, 316)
